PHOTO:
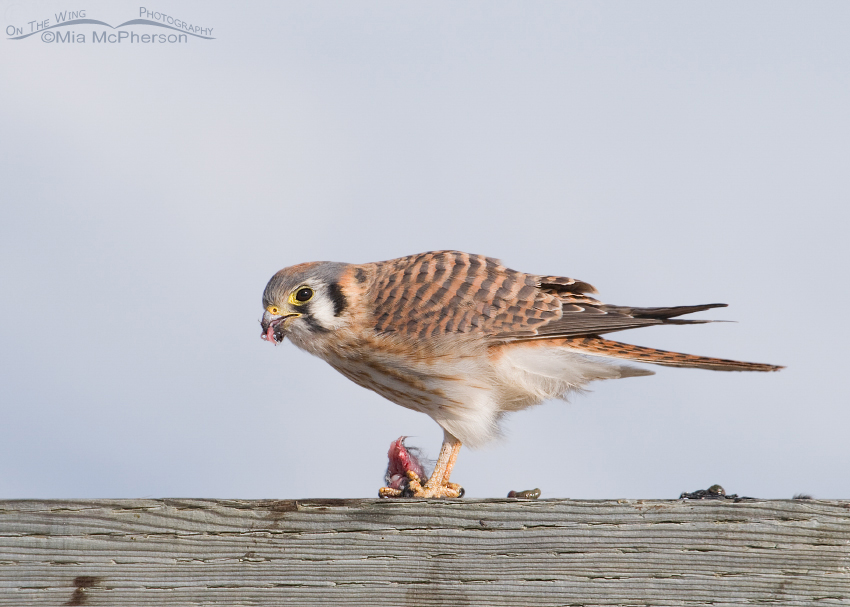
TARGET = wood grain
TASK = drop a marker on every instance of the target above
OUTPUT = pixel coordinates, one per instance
(409, 552)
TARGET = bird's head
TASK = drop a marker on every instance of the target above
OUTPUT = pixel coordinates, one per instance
(303, 301)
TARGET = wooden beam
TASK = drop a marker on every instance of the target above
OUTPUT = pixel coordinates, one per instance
(408, 552)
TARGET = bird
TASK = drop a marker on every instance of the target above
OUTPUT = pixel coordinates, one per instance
(464, 339)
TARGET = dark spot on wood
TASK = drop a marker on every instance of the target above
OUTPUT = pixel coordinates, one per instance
(528, 494)
(81, 583)
(333, 502)
(277, 510)
(278, 506)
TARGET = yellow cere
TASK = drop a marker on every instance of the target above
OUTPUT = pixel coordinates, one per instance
(273, 310)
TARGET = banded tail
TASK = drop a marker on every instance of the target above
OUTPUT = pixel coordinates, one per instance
(594, 344)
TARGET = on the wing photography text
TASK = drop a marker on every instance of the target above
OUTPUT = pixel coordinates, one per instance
(55, 30)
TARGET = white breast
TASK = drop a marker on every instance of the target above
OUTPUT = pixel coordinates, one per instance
(462, 384)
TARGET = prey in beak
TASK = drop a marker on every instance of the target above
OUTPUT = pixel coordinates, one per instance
(273, 326)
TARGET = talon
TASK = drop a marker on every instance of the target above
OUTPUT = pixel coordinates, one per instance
(453, 490)
(389, 492)
(405, 474)
(415, 488)
(414, 485)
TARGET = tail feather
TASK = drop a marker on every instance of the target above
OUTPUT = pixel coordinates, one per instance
(605, 347)
(665, 313)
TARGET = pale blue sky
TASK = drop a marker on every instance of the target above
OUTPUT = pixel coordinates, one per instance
(668, 153)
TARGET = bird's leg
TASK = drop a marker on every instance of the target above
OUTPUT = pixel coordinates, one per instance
(438, 484)
(451, 464)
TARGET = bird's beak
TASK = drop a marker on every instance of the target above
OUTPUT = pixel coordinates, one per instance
(272, 327)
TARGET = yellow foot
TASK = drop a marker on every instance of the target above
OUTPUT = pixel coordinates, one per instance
(415, 488)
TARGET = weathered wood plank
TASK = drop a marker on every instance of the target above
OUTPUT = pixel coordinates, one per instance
(409, 552)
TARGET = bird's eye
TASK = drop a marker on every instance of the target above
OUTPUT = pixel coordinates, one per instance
(303, 294)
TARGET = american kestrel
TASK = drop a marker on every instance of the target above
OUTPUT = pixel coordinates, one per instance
(463, 339)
